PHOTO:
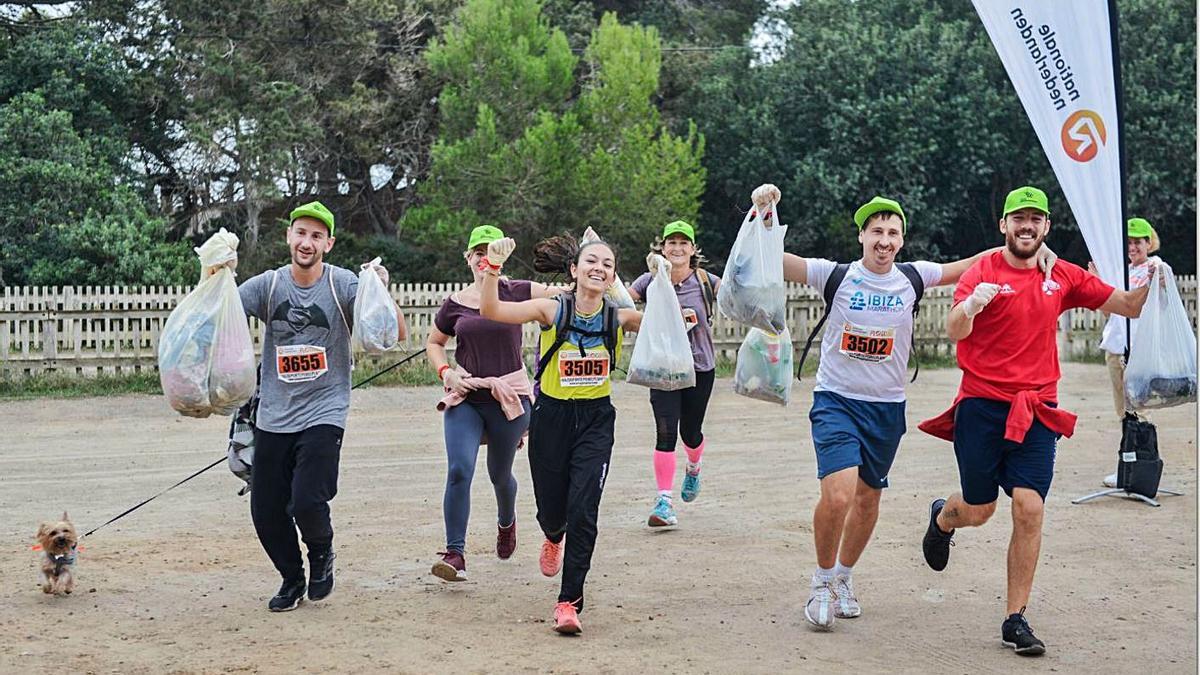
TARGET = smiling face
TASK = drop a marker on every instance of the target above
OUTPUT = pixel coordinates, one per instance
(882, 237)
(1138, 249)
(309, 241)
(595, 268)
(473, 258)
(678, 250)
(1024, 231)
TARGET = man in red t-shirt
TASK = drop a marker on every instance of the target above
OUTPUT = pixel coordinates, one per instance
(1005, 420)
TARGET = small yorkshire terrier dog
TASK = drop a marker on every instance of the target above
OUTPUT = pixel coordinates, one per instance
(58, 541)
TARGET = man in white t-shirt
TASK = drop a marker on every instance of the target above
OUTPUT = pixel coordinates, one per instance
(858, 403)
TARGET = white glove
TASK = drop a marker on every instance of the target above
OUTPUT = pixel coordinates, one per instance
(765, 195)
(983, 294)
(499, 250)
(654, 261)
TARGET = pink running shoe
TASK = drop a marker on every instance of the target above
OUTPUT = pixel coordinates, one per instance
(551, 557)
(566, 619)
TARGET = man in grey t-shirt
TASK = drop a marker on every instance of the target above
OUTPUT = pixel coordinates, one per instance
(304, 396)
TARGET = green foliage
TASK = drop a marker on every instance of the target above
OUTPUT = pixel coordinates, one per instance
(577, 150)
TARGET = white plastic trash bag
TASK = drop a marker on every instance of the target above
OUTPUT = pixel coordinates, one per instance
(1162, 360)
(205, 355)
(764, 367)
(376, 323)
(617, 293)
(752, 291)
(662, 355)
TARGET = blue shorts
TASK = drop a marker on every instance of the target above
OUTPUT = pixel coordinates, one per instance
(850, 433)
(986, 461)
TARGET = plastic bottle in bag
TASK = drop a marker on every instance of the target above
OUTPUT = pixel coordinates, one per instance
(662, 356)
(1162, 358)
(206, 360)
(764, 367)
(752, 290)
(376, 323)
(616, 293)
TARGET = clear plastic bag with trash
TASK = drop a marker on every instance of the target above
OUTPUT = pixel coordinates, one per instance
(376, 323)
(764, 367)
(206, 361)
(662, 356)
(752, 290)
(617, 293)
(1161, 372)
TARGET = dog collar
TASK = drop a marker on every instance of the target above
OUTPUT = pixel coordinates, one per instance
(64, 560)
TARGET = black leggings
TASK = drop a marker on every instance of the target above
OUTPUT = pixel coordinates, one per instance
(293, 478)
(681, 413)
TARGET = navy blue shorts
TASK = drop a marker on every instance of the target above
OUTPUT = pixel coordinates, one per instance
(986, 461)
(850, 433)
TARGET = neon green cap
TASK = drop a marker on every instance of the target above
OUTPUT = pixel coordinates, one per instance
(679, 227)
(1027, 197)
(313, 210)
(484, 234)
(1140, 228)
(875, 206)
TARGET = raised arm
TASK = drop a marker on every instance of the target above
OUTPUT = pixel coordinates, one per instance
(961, 321)
(630, 319)
(952, 272)
(794, 268)
(537, 290)
(1126, 303)
(492, 307)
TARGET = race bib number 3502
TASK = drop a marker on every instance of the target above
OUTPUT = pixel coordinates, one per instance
(582, 371)
(300, 363)
(872, 345)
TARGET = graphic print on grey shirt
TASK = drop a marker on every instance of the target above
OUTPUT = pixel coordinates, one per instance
(305, 339)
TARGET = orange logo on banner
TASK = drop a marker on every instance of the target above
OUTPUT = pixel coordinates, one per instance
(1082, 135)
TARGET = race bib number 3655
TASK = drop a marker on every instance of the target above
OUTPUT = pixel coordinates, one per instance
(872, 345)
(582, 371)
(300, 363)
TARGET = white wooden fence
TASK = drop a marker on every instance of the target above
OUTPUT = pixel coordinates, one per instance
(91, 330)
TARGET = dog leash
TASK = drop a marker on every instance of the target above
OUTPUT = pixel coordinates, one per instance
(223, 457)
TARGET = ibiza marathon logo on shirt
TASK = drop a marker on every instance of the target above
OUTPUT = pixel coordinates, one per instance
(875, 302)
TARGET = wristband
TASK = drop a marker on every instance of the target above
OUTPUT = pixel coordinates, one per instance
(442, 371)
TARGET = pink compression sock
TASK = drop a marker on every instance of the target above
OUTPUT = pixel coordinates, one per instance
(694, 453)
(664, 470)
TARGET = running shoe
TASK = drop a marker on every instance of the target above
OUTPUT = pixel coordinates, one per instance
(289, 596)
(450, 566)
(320, 582)
(820, 610)
(551, 557)
(1110, 480)
(506, 540)
(847, 606)
(1017, 634)
(663, 514)
(936, 544)
(566, 619)
(691, 483)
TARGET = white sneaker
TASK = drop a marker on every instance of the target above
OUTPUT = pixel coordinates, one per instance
(846, 606)
(819, 610)
(1110, 480)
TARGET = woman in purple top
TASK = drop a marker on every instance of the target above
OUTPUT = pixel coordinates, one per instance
(483, 348)
(681, 413)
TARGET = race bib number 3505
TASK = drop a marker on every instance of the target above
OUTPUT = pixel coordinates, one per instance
(872, 345)
(582, 371)
(300, 363)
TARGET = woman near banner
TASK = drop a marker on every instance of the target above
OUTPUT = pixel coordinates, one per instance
(1141, 242)
(487, 401)
(571, 429)
(681, 413)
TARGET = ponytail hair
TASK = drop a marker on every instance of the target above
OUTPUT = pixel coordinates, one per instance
(556, 254)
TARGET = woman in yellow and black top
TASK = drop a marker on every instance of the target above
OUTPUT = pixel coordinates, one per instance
(571, 429)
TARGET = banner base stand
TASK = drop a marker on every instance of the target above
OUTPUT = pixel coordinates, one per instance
(1118, 492)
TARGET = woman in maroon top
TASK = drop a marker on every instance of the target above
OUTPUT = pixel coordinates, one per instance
(483, 349)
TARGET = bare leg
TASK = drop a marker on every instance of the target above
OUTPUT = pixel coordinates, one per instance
(829, 518)
(957, 513)
(1024, 547)
(860, 523)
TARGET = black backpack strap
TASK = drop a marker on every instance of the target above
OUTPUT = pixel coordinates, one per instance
(611, 328)
(562, 324)
(706, 291)
(831, 287)
(914, 277)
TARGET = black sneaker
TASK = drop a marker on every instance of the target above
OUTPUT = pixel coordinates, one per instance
(320, 583)
(937, 543)
(1017, 634)
(289, 596)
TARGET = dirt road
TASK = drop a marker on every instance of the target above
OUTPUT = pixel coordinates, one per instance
(181, 585)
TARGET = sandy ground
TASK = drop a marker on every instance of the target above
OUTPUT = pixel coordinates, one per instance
(181, 585)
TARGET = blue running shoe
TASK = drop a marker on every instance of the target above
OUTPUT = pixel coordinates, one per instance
(663, 514)
(691, 483)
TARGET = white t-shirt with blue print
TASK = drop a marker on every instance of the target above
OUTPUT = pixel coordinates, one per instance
(868, 337)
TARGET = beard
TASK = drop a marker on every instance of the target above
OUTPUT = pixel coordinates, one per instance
(1014, 245)
(313, 261)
